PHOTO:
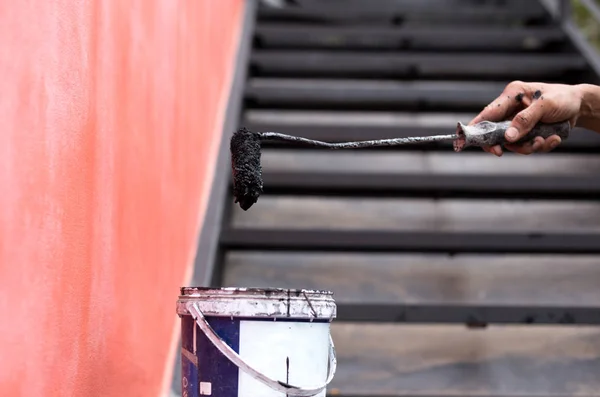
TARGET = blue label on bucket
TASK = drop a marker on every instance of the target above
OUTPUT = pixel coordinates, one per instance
(215, 368)
(212, 374)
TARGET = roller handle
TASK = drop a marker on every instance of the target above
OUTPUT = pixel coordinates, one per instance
(541, 129)
(488, 133)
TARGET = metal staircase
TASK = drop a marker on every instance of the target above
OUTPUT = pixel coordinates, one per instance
(455, 274)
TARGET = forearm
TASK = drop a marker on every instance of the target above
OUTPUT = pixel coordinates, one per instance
(589, 117)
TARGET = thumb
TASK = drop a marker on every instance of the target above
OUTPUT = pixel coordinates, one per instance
(524, 122)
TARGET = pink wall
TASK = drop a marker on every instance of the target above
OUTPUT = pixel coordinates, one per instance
(110, 114)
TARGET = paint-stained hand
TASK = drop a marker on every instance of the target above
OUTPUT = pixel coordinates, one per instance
(526, 104)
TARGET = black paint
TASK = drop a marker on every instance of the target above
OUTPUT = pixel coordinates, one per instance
(289, 297)
(537, 94)
(311, 306)
(519, 97)
(246, 168)
(287, 370)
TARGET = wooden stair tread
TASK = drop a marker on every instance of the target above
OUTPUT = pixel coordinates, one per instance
(470, 279)
(361, 162)
(413, 215)
(396, 360)
(361, 94)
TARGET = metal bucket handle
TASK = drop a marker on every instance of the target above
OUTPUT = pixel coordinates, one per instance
(235, 358)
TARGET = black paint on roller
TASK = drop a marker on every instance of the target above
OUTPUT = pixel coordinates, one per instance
(245, 166)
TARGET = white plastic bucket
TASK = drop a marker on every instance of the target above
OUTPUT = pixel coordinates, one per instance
(250, 342)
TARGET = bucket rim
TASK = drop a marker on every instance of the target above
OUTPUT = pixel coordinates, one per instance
(187, 291)
(259, 302)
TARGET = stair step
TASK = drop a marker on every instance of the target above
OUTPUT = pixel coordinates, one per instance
(463, 38)
(400, 360)
(400, 11)
(314, 63)
(462, 279)
(343, 126)
(363, 173)
(464, 288)
(426, 163)
(301, 93)
(344, 214)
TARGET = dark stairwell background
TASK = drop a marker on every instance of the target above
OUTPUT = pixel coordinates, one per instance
(455, 274)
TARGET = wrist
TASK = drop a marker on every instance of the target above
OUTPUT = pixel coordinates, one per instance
(590, 100)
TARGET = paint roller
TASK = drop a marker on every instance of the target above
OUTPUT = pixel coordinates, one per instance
(245, 146)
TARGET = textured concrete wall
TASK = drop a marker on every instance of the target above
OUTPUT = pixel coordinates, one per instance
(111, 112)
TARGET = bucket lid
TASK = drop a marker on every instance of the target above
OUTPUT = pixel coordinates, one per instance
(259, 302)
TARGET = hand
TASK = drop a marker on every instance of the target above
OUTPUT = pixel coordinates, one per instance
(526, 104)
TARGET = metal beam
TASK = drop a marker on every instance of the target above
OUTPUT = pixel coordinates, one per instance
(401, 241)
(465, 38)
(206, 261)
(592, 8)
(398, 11)
(361, 94)
(313, 63)
(562, 13)
(587, 50)
(472, 315)
(336, 393)
(433, 185)
(207, 256)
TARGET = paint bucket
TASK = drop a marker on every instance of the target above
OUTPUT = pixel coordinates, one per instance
(250, 342)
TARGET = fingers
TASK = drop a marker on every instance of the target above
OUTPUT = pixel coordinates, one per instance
(499, 109)
(521, 124)
(527, 147)
(495, 150)
(538, 145)
(524, 121)
(550, 144)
